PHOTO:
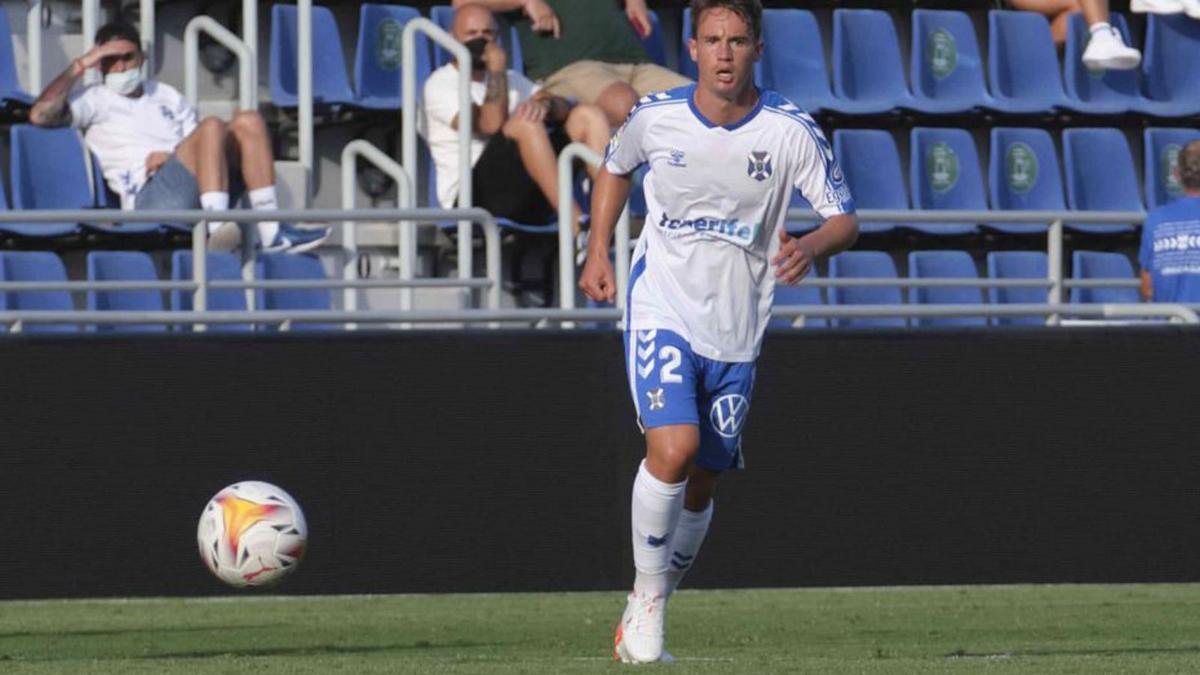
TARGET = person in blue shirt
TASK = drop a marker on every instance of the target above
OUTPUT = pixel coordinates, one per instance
(1170, 252)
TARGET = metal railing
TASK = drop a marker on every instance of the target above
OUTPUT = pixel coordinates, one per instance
(367, 151)
(247, 80)
(566, 235)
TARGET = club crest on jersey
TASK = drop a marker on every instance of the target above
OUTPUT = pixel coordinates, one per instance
(759, 167)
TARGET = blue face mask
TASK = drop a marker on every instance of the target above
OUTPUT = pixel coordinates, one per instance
(125, 82)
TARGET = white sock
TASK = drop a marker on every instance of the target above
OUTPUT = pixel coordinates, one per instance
(1099, 26)
(656, 507)
(264, 199)
(685, 543)
(214, 201)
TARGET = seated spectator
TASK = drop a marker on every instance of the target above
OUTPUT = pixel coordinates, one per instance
(588, 51)
(1106, 49)
(517, 129)
(153, 152)
(1170, 253)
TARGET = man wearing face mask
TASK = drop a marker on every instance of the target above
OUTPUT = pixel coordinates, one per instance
(517, 129)
(154, 153)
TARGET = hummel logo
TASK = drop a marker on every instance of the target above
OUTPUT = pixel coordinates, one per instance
(656, 541)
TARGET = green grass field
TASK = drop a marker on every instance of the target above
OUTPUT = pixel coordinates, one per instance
(1002, 629)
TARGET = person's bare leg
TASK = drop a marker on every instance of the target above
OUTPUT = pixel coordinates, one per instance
(588, 124)
(1094, 11)
(1058, 11)
(616, 100)
(537, 155)
(250, 143)
(203, 154)
(1059, 27)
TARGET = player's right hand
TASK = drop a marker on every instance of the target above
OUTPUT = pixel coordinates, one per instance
(542, 18)
(598, 281)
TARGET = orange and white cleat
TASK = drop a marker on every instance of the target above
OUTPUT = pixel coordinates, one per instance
(639, 636)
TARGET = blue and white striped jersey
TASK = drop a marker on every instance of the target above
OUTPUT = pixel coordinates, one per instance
(715, 198)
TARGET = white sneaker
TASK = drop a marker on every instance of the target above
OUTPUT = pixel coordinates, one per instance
(1192, 7)
(639, 637)
(1107, 51)
(1156, 6)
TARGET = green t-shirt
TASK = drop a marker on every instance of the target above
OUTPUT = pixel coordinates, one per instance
(595, 30)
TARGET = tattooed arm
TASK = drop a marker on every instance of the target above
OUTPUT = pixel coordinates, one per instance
(491, 116)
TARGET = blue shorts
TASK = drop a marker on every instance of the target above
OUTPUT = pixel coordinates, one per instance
(670, 384)
(174, 187)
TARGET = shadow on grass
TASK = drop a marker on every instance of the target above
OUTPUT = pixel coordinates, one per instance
(113, 632)
(1124, 651)
(316, 650)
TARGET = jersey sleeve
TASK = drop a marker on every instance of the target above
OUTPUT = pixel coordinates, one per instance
(819, 178)
(626, 150)
(83, 107)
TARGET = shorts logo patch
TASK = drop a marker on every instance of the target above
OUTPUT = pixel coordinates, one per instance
(728, 414)
(656, 398)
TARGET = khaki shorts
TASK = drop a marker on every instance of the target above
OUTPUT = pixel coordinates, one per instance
(584, 80)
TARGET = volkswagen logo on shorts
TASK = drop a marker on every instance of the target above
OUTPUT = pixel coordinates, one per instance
(728, 414)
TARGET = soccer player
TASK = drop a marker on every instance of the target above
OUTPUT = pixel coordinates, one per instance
(724, 157)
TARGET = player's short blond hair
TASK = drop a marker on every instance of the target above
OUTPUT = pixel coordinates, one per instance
(749, 10)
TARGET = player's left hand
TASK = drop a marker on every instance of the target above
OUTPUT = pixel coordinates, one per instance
(794, 260)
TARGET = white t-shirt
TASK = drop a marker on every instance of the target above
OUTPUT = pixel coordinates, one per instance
(439, 108)
(715, 198)
(122, 131)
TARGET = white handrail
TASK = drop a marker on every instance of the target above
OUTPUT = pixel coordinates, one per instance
(368, 151)
(91, 22)
(304, 92)
(146, 28)
(247, 86)
(33, 32)
(566, 237)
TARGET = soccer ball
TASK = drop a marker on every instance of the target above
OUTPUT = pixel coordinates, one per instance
(252, 534)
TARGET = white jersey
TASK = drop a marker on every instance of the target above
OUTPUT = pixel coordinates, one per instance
(715, 198)
(122, 131)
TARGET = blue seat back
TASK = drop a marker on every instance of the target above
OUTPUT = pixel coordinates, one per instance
(1023, 171)
(285, 266)
(1115, 89)
(377, 57)
(1100, 173)
(1161, 148)
(10, 83)
(871, 163)
(1099, 265)
(1022, 61)
(865, 264)
(945, 62)
(331, 85)
(945, 265)
(654, 43)
(49, 169)
(793, 62)
(798, 295)
(443, 16)
(221, 267)
(1017, 265)
(36, 266)
(1170, 65)
(944, 170)
(124, 266)
(866, 57)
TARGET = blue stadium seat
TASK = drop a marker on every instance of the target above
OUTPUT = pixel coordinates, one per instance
(793, 62)
(1097, 92)
(865, 264)
(1098, 265)
(1022, 63)
(36, 266)
(377, 57)
(1100, 175)
(656, 47)
(1017, 265)
(124, 266)
(871, 164)
(944, 174)
(798, 295)
(331, 85)
(868, 73)
(687, 67)
(945, 265)
(443, 16)
(946, 70)
(1160, 155)
(48, 170)
(10, 83)
(1023, 175)
(285, 266)
(1170, 67)
(221, 267)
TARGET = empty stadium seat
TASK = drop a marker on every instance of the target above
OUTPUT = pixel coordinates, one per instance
(331, 85)
(798, 295)
(1100, 175)
(1170, 66)
(1160, 155)
(377, 57)
(654, 44)
(865, 264)
(793, 62)
(944, 174)
(10, 83)
(1017, 265)
(1097, 92)
(443, 16)
(221, 267)
(48, 170)
(124, 266)
(1023, 175)
(868, 74)
(1098, 265)
(871, 164)
(1022, 63)
(36, 266)
(945, 265)
(285, 266)
(946, 70)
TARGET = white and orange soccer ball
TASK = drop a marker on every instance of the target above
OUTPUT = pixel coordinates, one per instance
(252, 534)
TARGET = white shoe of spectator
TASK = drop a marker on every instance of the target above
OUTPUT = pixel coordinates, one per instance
(224, 237)
(1192, 7)
(1158, 6)
(1107, 51)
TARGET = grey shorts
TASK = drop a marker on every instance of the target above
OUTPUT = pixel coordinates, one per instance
(174, 187)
